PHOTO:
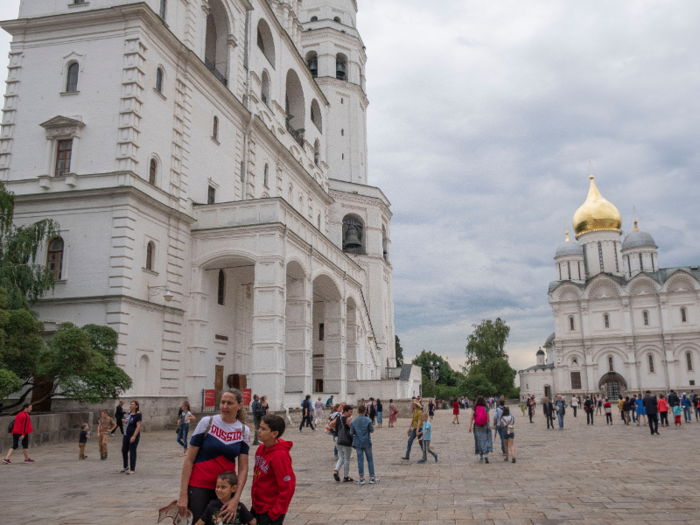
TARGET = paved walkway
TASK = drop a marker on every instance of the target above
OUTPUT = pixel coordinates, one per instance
(583, 475)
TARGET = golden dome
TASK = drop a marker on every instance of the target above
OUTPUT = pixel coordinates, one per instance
(596, 214)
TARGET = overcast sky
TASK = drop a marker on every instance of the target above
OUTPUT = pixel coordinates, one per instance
(483, 118)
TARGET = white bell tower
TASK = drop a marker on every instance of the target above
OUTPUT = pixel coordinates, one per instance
(334, 52)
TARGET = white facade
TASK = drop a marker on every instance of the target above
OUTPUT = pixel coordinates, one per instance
(207, 160)
(626, 326)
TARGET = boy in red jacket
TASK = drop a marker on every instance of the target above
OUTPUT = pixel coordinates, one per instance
(273, 478)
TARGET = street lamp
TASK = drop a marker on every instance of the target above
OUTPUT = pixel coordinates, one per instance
(434, 375)
(155, 290)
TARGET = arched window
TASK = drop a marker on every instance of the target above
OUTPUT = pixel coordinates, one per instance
(265, 42)
(610, 363)
(265, 94)
(606, 320)
(159, 80)
(651, 364)
(559, 268)
(163, 8)
(312, 63)
(216, 47)
(316, 115)
(684, 316)
(645, 314)
(152, 172)
(336, 19)
(72, 77)
(295, 107)
(314, 19)
(600, 257)
(341, 67)
(641, 263)
(353, 234)
(572, 326)
(54, 257)
(221, 288)
(265, 176)
(689, 361)
(150, 255)
(215, 128)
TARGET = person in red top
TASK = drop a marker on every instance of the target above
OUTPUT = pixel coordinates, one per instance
(663, 408)
(274, 481)
(455, 412)
(608, 411)
(20, 432)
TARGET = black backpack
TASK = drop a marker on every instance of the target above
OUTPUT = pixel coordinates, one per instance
(12, 425)
(344, 437)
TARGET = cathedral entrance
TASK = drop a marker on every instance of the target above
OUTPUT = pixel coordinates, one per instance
(612, 385)
(548, 391)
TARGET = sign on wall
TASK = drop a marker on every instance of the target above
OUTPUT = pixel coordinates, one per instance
(247, 394)
(209, 398)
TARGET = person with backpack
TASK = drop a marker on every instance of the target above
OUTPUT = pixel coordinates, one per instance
(306, 416)
(479, 422)
(344, 444)
(20, 428)
(507, 423)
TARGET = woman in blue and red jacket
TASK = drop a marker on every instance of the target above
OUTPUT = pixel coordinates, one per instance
(20, 432)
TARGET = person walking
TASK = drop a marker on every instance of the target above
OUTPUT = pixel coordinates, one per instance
(673, 399)
(641, 413)
(21, 429)
(318, 411)
(651, 411)
(599, 405)
(522, 406)
(508, 424)
(574, 404)
(607, 407)
(264, 408)
(677, 410)
(560, 408)
(132, 435)
(589, 407)
(663, 408)
(455, 412)
(685, 405)
(105, 428)
(431, 408)
(217, 444)
(626, 407)
(183, 426)
(497, 413)
(372, 410)
(530, 403)
(256, 409)
(344, 444)
(696, 404)
(392, 413)
(479, 426)
(413, 428)
(119, 416)
(380, 410)
(425, 437)
(306, 416)
(360, 430)
(548, 410)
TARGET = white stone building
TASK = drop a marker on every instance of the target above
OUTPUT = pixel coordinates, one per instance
(207, 163)
(621, 323)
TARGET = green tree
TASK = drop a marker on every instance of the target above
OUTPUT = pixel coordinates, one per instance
(399, 352)
(447, 376)
(488, 372)
(22, 277)
(78, 363)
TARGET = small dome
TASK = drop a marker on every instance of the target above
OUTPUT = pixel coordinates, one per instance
(568, 248)
(540, 352)
(596, 214)
(637, 239)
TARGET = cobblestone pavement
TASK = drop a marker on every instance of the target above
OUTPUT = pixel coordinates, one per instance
(583, 474)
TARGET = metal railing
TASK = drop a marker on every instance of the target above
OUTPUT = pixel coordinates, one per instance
(297, 134)
(218, 74)
(393, 373)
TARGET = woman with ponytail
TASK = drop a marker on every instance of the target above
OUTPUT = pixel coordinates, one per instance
(216, 444)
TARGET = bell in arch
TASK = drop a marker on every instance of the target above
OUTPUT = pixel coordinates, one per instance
(352, 239)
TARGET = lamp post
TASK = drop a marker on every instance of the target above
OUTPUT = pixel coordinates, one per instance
(434, 375)
(155, 290)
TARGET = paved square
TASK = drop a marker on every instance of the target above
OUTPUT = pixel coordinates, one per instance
(588, 475)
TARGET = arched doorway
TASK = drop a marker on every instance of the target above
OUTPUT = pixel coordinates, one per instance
(329, 359)
(612, 385)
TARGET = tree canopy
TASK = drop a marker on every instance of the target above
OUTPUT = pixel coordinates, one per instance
(399, 352)
(447, 376)
(24, 280)
(488, 372)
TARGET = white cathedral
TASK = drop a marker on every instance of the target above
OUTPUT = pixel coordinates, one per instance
(622, 324)
(207, 163)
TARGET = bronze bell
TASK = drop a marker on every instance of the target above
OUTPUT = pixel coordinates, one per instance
(352, 239)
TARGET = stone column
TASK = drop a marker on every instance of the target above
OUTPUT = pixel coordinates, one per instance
(298, 361)
(267, 369)
(194, 373)
(335, 361)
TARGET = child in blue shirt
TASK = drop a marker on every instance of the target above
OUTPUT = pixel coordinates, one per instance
(677, 411)
(424, 436)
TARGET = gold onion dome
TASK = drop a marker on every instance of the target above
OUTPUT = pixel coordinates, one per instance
(596, 214)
